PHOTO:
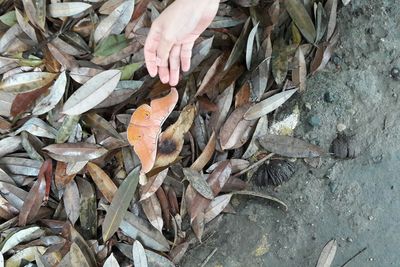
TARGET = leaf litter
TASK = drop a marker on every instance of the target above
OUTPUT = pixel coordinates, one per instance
(72, 74)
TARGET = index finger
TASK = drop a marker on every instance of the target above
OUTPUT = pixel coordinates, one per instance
(150, 49)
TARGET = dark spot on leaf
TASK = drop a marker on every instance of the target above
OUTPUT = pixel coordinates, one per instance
(167, 146)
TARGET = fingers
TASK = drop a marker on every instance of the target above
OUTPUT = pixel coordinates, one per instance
(186, 55)
(163, 52)
(174, 65)
(150, 51)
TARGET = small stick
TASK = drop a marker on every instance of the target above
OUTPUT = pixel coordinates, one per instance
(258, 163)
(352, 258)
(209, 257)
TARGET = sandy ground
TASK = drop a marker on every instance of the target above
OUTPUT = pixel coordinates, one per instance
(355, 201)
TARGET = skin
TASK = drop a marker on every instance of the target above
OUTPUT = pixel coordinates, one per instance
(168, 47)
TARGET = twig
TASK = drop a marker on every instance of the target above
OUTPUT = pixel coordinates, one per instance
(209, 257)
(352, 258)
(258, 163)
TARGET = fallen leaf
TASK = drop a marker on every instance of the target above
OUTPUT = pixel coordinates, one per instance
(93, 92)
(152, 209)
(115, 22)
(327, 254)
(71, 201)
(299, 74)
(249, 47)
(75, 152)
(217, 205)
(206, 155)
(198, 182)
(171, 140)
(57, 10)
(153, 184)
(111, 261)
(119, 204)
(102, 181)
(268, 105)
(139, 254)
(139, 229)
(26, 82)
(299, 14)
(290, 147)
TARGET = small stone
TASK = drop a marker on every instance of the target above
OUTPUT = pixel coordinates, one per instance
(329, 97)
(349, 239)
(341, 127)
(395, 73)
(314, 121)
(307, 106)
(370, 218)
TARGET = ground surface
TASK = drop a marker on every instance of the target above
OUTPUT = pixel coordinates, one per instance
(354, 201)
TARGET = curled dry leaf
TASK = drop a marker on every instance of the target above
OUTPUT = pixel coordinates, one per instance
(235, 132)
(171, 140)
(206, 155)
(153, 184)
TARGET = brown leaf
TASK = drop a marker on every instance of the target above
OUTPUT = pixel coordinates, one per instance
(206, 155)
(24, 101)
(233, 132)
(279, 60)
(152, 208)
(224, 102)
(242, 97)
(213, 75)
(153, 184)
(61, 178)
(35, 197)
(102, 181)
(323, 54)
(164, 207)
(299, 74)
(71, 201)
(290, 147)
(300, 16)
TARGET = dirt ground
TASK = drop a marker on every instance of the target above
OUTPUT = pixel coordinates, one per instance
(354, 201)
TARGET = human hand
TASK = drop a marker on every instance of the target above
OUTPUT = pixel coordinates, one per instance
(171, 38)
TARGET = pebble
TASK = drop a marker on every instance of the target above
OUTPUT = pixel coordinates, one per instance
(395, 73)
(307, 106)
(329, 97)
(341, 127)
(314, 121)
(349, 239)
